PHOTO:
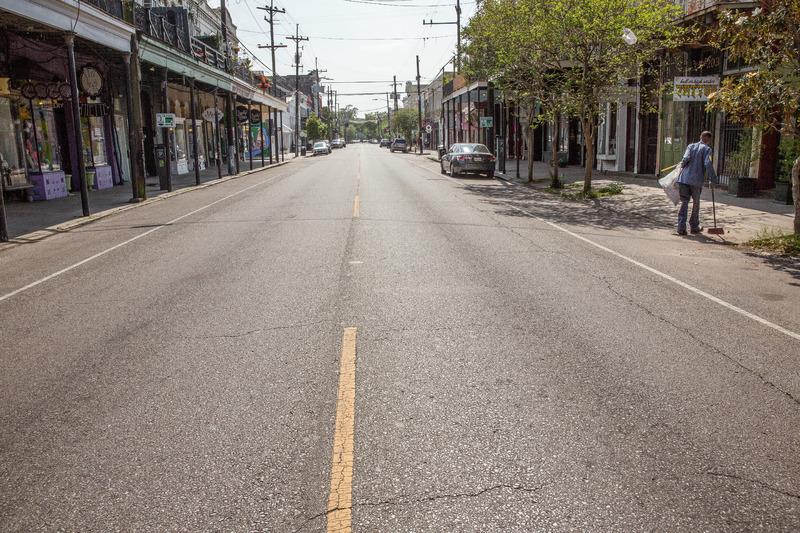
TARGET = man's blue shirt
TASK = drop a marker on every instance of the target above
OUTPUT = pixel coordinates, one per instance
(696, 162)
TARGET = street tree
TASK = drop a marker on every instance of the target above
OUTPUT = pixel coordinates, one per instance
(315, 129)
(405, 121)
(577, 46)
(769, 96)
(503, 45)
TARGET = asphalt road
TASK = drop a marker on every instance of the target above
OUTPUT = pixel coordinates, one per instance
(357, 340)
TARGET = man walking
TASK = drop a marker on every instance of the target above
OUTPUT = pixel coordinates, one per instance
(695, 164)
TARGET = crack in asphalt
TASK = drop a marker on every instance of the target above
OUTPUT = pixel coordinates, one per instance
(403, 500)
(755, 482)
(730, 358)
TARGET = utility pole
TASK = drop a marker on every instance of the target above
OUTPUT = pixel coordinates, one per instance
(229, 108)
(419, 110)
(316, 98)
(272, 46)
(388, 116)
(394, 93)
(297, 40)
(458, 32)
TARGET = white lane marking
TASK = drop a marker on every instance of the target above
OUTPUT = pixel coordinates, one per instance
(125, 243)
(685, 285)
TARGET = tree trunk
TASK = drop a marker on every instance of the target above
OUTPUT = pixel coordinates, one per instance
(530, 153)
(796, 194)
(589, 132)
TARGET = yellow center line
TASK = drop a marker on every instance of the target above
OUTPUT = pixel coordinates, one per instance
(340, 498)
(355, 209)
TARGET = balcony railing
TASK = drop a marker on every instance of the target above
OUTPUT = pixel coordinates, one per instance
(169, 25)
(112, 7)
(693, 6)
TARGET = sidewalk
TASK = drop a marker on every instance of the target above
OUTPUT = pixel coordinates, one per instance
(741, 218)
(32, 221)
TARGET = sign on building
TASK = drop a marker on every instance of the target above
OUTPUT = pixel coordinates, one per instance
(694, 88)
(165, 120)
(487, 122)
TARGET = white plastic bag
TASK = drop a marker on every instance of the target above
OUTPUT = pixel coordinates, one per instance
(670, 185)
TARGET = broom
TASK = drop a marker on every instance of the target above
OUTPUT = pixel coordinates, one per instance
(715, 230)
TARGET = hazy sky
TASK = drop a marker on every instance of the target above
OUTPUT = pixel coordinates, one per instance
(355, 41)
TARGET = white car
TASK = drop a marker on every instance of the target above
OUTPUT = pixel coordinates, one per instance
(321, 148)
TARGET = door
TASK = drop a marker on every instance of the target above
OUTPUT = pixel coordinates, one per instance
(630, 139)
(121, 140)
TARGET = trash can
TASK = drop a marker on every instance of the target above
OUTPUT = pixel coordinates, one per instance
(302, 150)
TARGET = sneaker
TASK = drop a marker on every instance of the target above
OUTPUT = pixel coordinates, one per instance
(681, 232)
(695, 231)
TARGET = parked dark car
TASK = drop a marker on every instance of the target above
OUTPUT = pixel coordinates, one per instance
(385, 143)
(399, 145)
(468, 158)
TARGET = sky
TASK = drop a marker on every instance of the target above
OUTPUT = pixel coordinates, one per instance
(361, 44)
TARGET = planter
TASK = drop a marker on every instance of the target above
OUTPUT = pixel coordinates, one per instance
(783, 193)
(742, 187)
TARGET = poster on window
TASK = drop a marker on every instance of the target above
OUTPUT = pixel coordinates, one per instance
(695, 88)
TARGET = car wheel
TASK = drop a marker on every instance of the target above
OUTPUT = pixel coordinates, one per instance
(453, 170)
(490, 174)
(442, 170)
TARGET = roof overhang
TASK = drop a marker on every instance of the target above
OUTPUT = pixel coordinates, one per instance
(73, 16)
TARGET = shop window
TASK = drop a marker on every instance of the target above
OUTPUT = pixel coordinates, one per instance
(39, 136)
(601, 136)
(612, 130)
(178, 140)
(563, 136)
(12, 155)
(94, 141)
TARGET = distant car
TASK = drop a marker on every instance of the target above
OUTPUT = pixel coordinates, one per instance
(373, 141)
(321, 148)
(399, 145)
(468, 158)
(386, 143)
(338, 143)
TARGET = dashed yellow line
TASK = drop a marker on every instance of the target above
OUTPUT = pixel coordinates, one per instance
(340, 498)
(355, 208)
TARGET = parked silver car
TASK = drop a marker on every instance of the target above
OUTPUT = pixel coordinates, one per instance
(321, 148)
(468, 158)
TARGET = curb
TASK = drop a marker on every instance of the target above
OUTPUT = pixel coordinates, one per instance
(72, 224)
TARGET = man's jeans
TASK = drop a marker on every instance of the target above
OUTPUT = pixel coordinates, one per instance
(688, 192)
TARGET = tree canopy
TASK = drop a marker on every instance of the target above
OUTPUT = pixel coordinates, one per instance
(768, 96)
(405, 121)
(570, 53)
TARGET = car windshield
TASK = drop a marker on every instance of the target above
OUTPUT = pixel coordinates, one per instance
(319, 145)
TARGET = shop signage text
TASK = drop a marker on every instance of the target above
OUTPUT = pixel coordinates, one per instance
(695, 88)
(208, 114)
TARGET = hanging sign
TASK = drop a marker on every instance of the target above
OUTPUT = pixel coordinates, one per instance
(255, 115)
(241, 114)
(208, 114)
(165, 120)
(694, 88)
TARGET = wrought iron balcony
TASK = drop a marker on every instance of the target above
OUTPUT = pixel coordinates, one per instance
(112, 7)
(169, 25)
